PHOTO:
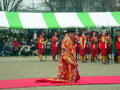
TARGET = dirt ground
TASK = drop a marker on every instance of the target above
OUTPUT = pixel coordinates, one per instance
(30, 67)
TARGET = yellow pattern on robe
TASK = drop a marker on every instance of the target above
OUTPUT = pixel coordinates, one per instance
(40, 40)
(103, 39)
(81, 41)
(119, 39)
(67, 70)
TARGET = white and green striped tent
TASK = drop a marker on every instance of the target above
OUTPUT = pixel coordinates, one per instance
(58, 20)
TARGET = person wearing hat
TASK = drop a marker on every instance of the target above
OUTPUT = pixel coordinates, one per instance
(118, 47)
(54, 45)
(41, 45)
(76, 42)
(109, 45)
(83, 46)
(114, 49)
(88, 35)
(97, 52)
(103, 47)
(94, 47)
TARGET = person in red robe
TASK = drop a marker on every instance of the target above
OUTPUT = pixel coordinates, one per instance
(67, 70)
(76, 42)
(97, 52)
(87, 46)
(103, 47)
(54, 45)
(83, 47)
(109, 38)
(41, 45)
(118, 47)
(94, 47)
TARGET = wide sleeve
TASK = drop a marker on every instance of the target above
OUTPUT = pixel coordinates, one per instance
(92, 40)
(81, 41)
(53, 39)
(69, 53)
(40, 40)
(119, 39)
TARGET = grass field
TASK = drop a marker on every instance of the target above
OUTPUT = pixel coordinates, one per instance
(31, 67)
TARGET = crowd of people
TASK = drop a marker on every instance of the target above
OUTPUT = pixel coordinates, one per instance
(69, 45)
(93, 43)
(14, 45)
(104, 44)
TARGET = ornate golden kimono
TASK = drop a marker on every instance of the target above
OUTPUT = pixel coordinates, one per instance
(67, 71)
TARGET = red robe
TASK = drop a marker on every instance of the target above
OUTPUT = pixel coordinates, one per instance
(83, 45)
(40, 45)
(97, 45)
(109, 44)
(118, 45)
(76, 44)
(54, 45)
(103, 45)
(87, 47)
(94, 46)
(67, 71)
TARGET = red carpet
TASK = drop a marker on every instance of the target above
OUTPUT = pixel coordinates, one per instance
(34, 82)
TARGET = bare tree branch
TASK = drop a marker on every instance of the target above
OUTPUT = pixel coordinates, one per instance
(7, 4)
(61, 5)
(78, 5)
(4, 7)
(0, 6)
(16, 5)
(49, 4)
(10, 5)
(13, 2)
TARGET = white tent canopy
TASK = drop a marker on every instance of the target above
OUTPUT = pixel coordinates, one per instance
(58, 20)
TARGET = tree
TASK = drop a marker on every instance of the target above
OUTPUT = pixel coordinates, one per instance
(103, 4)
(81, 5)
(48, 4)
(78, 5)
(55, 5)
(61, 5)
(9, 5)
(0, 6)
(109, 5)
(117, 5)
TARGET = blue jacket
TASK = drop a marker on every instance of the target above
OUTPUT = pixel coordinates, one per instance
(6, 49)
